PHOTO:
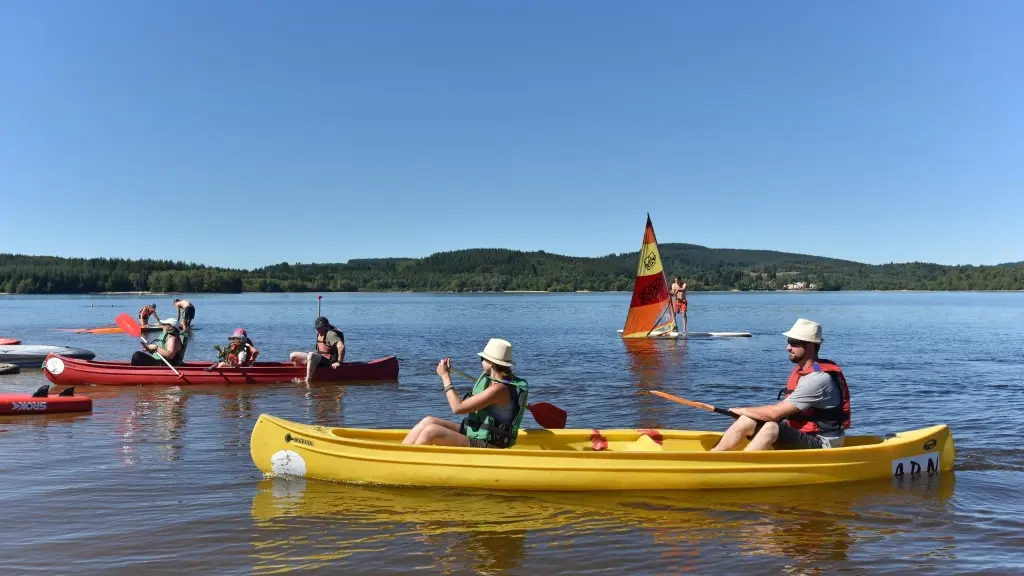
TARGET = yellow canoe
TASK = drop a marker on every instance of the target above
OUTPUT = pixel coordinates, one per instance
(566, 460)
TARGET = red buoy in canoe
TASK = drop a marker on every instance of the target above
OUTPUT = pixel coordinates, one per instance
(43, 403)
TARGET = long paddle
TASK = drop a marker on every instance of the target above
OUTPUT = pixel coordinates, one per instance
(130, 326)
(547, 415)
(693, 404)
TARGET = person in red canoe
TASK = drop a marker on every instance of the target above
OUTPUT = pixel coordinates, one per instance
(171, 345)
(145, 312)
(239, 352)
(330, 349)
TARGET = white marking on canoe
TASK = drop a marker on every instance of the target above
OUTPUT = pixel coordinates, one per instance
(287, 463)
(55, 365)
(917, 465)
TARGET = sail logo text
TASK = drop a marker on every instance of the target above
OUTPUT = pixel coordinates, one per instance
(650, 294)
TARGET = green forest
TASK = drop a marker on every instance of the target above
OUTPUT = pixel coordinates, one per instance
(494, 270)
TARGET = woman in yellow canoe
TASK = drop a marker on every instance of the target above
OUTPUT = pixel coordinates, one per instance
(494, 408)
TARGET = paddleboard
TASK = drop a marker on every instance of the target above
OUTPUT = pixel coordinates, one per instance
(43, 403)
(159, 327)
(32, 356)
(149, 328)
(689, 335)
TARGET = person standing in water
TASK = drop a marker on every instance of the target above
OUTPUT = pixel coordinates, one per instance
(186, 313)
(678, 292)
(145, 312)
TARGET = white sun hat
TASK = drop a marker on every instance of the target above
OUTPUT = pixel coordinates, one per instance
(498, 352)
(805, 330)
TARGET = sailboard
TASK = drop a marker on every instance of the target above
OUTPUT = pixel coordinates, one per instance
(650, 310)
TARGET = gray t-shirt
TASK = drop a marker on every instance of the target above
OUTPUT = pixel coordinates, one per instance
(818, 390)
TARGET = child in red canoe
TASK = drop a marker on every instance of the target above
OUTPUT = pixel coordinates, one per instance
(240, 351)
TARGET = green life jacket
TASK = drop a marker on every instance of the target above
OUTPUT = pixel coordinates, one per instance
(485, 424)
(180, 356)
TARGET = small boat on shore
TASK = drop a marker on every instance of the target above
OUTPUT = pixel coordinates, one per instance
(65, 371)
(32, 355)
(584, 459)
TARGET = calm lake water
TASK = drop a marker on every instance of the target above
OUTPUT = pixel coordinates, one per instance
(159, 479)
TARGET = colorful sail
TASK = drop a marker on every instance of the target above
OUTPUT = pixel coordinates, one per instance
(650, 311)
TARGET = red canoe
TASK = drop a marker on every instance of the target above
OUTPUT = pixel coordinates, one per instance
(43, 403)
(66, 371)
(9, 342)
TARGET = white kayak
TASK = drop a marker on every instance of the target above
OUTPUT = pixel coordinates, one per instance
(32, 355)
(688, 335)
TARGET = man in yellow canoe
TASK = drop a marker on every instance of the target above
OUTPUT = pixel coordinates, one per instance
(815, 402)
(494, 409)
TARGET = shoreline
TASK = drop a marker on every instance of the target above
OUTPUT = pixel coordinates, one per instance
(724, 291)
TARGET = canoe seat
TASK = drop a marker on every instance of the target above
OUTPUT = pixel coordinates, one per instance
(643, 444)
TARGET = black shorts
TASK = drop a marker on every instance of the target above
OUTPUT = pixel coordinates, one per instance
(323, 360)
(792, 439)
(189, 313)
(144, 358)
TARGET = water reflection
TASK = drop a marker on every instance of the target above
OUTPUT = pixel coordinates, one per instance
(157, 414)
(325, 401)
(810, 530)
(650, 362)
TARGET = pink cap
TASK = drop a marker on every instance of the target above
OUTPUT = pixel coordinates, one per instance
(239, 333)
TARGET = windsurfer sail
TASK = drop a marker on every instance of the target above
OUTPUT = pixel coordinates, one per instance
(650, 311)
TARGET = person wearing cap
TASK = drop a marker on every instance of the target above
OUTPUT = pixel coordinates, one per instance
(171, 344)
(815, 403)
(330, 349)
(240, 351)
(494, 408)
(145, 312)
(186, 313)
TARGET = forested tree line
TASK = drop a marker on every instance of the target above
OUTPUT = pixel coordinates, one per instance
(499, 270)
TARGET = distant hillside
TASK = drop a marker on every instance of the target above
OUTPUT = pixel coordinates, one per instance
(493, 269)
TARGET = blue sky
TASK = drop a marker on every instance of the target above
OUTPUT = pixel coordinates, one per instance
(245, 133)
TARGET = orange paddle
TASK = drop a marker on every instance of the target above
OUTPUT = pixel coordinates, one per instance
(693, 404)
